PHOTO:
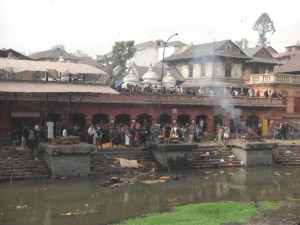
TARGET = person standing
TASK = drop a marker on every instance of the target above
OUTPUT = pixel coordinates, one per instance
(220, 135)
(50, 126)
(31, 140)
(15, 138)
(191, 132)
(25, 136)
(99, 136)
(91, 133)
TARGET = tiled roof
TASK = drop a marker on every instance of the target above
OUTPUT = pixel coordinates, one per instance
(53, 87)
(291, 66)
(208, 49)
(147, 44)
(251, 51)
(53, 54)
(285, 54)
(264, 60)
(17, 66)
(4, 53)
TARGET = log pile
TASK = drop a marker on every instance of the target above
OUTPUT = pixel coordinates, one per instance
(69, 140)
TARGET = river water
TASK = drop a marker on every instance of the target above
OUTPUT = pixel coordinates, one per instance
(54, 202)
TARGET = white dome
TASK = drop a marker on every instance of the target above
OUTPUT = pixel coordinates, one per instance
(130, 78)
(168, 80)
(150, 76)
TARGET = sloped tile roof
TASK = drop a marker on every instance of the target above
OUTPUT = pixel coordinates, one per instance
(53, 55)
(62, 67)
(291, 66)
(251, 51)
(208, 49)
(4, 53)
(53, 87)
(264, 60)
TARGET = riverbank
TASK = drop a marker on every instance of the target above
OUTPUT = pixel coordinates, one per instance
(23, 164)
(225, 213)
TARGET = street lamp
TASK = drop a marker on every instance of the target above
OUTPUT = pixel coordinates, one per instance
(162, 75)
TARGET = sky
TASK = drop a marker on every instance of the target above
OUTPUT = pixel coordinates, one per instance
(93, 26)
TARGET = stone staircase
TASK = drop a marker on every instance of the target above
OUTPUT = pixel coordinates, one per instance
(207, 156)
(22, 165)
(287, 154)
(105, 161)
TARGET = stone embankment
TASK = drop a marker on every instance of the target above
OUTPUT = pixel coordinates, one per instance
(24, 165)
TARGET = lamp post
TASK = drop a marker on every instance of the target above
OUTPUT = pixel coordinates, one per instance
(162, 75)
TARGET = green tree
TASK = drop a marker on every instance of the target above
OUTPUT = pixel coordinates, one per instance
(115, 66)
(264, 25)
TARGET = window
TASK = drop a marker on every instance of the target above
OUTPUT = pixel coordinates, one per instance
(203, 69)
(191, 68)
(227, 70)
(228, 48)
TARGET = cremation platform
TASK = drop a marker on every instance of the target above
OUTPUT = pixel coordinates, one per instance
(68, 160)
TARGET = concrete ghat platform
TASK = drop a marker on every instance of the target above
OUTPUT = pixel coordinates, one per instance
(173, 155)
(253, 153)
(68, 160)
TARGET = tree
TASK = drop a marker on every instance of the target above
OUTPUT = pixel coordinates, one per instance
(264, 25)
(116, 65)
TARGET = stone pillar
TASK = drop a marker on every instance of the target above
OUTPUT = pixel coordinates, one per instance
(290, 104)
(210, 125)
(88, 120)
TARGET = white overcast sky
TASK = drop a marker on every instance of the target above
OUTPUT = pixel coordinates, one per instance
(93, 26)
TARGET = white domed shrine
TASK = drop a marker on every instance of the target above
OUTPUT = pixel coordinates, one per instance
(169, 81)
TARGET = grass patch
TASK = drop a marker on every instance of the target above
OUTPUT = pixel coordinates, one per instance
(207, 214)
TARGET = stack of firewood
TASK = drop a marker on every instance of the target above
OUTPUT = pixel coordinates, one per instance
(69, 140)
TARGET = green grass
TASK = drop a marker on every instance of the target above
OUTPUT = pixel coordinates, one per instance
(207, 214)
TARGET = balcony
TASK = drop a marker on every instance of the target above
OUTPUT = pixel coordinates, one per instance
(143, 98)
(274, 78)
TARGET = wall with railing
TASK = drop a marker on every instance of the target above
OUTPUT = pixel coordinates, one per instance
(274, 78)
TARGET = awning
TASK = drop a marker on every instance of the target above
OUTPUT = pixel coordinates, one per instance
(53, 87)
(16, 66)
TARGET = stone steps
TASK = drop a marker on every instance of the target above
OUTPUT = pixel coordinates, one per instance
(214, 156)
(105, 160)
(22, 165)
(287, 155)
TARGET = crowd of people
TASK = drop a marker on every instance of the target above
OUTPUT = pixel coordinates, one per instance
(205, 91)
(134, 134)
(285, 131)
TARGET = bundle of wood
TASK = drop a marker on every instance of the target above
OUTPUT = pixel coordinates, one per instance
(69, 140)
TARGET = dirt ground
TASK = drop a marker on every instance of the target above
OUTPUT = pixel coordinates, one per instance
(288, 215)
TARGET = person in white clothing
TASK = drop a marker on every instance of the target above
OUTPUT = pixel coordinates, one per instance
(50, 126)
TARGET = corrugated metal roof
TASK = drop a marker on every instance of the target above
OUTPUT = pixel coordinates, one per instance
(17, 66)
(53, 87)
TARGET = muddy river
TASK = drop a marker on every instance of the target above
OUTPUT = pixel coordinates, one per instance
(85, 201)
